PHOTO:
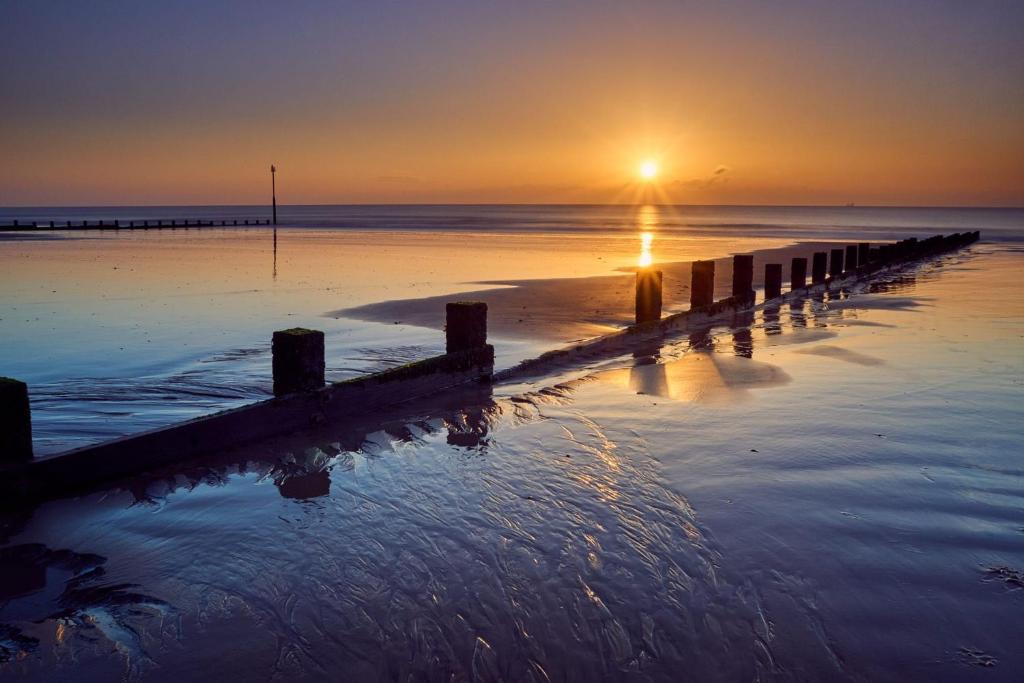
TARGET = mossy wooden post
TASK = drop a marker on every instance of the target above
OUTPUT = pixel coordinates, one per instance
(798, 273)
(850, 263)
(465, 325)
(863, 253)
(648, 295)
(818, 267)
(772, 281)
(835, 264)
(15, 421)
(298, 360)
(743, 277)
(702, 284)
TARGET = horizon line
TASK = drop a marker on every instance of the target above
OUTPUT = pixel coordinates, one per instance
(566, 204)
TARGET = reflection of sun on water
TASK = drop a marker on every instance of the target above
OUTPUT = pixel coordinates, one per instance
(647, 221)
(645, 249)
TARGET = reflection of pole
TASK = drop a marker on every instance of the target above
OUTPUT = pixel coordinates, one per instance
(273, 193)
(275, 253)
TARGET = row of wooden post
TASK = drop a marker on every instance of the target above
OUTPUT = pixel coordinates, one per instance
(298, 366)
(825, 267)
(118, 224)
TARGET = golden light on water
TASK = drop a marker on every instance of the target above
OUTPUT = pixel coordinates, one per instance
(646, 238)
(647, 221)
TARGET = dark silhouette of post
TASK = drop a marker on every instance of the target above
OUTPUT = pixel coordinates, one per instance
(851, 258)
(743, 277)
(772, 280)
(648, 295)
(298, 360)
(15, 421)
(818, 267)
(273, 191)
(835, 264)
(702, 284)
(465, 326)
(863, 253)
(798, 273)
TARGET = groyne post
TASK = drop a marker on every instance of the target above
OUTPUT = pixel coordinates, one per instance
(850, 263)
(798, 273)
(465, 325)
(702, 284)
(648, 295)
(772, 280)
(15, 421)
(863, 253)
(298, 360)
(835, 264)
(743, 277)
(818, 267)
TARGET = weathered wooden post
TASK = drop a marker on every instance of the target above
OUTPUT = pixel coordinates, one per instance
(851, 258)
(798, 273)
(15, 421)
(863, 253)
(772, 280)
(743, 277)
(818, 267)
(465, 326)
(648, 295)
(702, 284)
(298, 360)
(835, 264)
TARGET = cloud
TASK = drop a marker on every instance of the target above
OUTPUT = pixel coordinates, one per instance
(718, 177)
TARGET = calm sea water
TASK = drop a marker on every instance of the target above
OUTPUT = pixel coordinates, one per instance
(118, 331)
(829, 490)
(878, 223)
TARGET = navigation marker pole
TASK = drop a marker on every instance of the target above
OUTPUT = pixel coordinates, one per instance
(273, 191)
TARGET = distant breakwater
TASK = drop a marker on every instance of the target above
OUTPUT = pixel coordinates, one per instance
(116, 224)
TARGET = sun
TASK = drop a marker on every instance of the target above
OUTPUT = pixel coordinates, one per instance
(649, 169)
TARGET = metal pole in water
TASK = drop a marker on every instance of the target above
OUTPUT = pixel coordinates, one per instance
(273, 191)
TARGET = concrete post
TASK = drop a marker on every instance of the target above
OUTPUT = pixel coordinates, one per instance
(863, 253)
(835, 264)
(798, 273)
(772, 280)
(851, 258)
(702, 284)
(15, 421)
(298, 360)
(818, 267)
(743, 277)
(465, 326)
(648, 295)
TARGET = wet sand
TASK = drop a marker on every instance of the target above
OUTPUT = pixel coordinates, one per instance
(830, 491)
(563, 310)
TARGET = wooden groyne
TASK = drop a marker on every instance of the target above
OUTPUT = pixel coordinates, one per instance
(847, 265)
(302, 400)
(135, 224)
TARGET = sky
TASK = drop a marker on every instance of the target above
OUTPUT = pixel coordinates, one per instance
(738, 102)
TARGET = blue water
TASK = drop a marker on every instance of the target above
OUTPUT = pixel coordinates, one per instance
(120, 331)
(796, 222)
(829, 490)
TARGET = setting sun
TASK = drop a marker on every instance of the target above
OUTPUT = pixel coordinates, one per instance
(648, 170)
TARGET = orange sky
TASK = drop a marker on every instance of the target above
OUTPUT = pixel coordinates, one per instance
(794, 104)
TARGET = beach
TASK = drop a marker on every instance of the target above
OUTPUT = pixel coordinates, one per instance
(121, 331)
(829, 490)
